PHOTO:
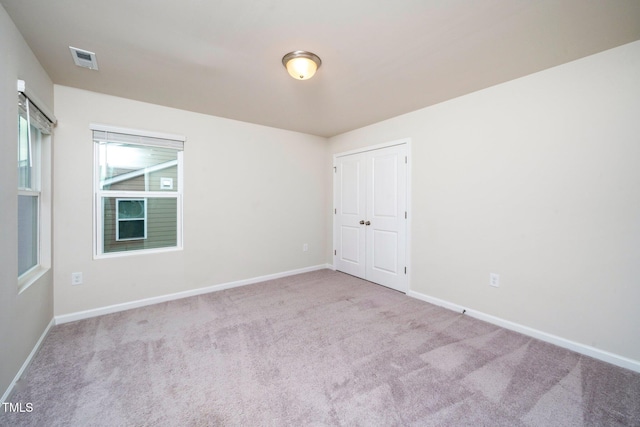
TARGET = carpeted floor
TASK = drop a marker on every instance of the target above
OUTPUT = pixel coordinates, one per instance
(321, 348)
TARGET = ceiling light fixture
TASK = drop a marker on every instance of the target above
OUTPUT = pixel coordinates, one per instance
(300, 64)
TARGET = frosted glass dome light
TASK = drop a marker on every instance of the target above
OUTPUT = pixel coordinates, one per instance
(301, 65)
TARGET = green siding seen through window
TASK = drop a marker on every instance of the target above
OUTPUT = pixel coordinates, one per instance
(161, 224)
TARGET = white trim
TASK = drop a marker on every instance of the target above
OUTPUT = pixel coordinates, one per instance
(373, 147)
(97, 238)
(136, 132)
(27, 361)
(409, 215)
(136, 252)
(180, 201)
(596, 353)
(31, 276)
(86, 314)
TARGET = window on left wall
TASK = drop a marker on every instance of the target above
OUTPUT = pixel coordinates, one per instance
(34, 130)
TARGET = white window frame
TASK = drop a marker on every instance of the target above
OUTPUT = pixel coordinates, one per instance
(40, 185)
(34, 190)
(99, 194)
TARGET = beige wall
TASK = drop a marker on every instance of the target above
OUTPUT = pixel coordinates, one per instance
(537, 180)
(23, 317)
(253, 196)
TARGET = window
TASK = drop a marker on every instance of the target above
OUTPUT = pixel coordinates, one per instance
(138, 194)
(131, 216)
(33, 128)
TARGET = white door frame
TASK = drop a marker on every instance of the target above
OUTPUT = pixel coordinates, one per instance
(407, 143)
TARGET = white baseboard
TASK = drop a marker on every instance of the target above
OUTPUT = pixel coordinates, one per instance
(72, 317)
(27, 362)
(596, 353)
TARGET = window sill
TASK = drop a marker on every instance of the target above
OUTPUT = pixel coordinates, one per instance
(30, 277)
(121, 254)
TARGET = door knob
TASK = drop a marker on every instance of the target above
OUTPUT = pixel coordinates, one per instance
(361, 221)
(367, 223)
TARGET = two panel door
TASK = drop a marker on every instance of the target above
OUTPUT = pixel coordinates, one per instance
(370, 197)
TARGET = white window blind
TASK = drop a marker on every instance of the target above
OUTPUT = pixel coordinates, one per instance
(33, 113)
(114, 137)
(111, 134)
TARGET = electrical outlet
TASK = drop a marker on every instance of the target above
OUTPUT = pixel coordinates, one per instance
(494, 280)
(76, 278)
(305, 247)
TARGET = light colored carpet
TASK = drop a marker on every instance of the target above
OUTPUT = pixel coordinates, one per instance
(321, 348)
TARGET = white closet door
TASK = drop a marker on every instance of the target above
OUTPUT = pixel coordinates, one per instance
(386, 207)
(370, 217)
(350, 211)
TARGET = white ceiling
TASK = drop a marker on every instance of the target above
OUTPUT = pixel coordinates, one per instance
(381, 58)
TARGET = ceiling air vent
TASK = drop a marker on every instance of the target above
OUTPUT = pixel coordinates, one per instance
(84, 58)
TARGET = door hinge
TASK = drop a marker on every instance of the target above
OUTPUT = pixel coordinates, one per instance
(405, 270)
(335, 211)
(335, 252)
(405, 214)
(405, 159)
(335, 169)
